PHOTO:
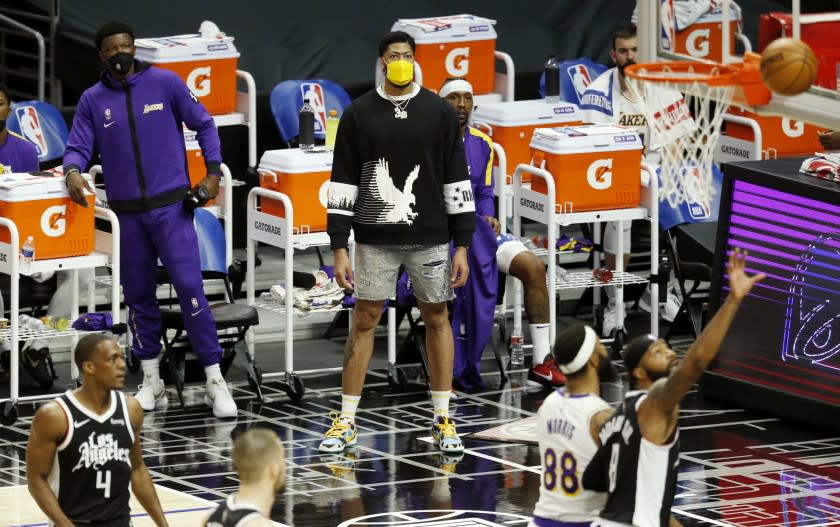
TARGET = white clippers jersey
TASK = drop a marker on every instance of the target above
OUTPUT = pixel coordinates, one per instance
(566, 447)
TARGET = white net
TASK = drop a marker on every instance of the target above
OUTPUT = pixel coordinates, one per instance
(684, 114)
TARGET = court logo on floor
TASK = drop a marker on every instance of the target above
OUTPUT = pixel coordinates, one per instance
(439, 518)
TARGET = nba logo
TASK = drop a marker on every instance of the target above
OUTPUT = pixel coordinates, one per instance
(668, 24)
(580, 78)
(316, 99)
(697, 196)
(30, 128)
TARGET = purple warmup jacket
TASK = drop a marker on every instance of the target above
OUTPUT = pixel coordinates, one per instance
(136, 127)
(475, 303)
(17, 155)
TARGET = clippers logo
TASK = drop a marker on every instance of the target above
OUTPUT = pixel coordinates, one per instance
(457, 62)
(599, 174)
(792, 127)
(54, 221)
(318, 102)
(697, 43)
(198, 81)
(30, 128)
(580, 78)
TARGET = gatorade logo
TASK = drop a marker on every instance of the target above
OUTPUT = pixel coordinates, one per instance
(599, 174)
(792, 127)
(324, 193)
(457, 62)
(697, 43)
(54, 221)
(198, 81)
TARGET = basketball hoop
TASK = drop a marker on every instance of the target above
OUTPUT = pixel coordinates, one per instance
(686, 131)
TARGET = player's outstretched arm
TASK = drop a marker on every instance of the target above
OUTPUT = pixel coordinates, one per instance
(141, 480)
(665, 395)
(49, 426)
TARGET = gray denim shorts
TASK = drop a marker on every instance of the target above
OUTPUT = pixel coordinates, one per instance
(375, 271)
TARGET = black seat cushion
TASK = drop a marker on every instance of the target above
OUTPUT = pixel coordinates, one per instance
(226, 316)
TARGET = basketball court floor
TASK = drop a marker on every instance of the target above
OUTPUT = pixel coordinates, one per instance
(737, 468)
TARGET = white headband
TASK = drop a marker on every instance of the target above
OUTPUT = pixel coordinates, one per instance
(583, 354)
(456, 85)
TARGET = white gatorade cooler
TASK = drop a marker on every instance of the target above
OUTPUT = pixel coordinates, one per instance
(595, 167)
(41, 207)
(457, 46)
(207, 66)
(511, 124)
(304, 176)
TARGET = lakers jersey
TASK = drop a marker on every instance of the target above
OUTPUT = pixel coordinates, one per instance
(92, 467)
(639, 476)
(566, 447)
(233, 514)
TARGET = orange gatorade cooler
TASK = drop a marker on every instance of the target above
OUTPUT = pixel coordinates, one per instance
(704, 38)
(302, 175)
(780, 137)
(41, 208)
(207, 66)
(595, 167)
(459, 46)
(511, 124)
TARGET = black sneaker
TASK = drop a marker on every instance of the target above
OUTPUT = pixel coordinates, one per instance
(35, 364)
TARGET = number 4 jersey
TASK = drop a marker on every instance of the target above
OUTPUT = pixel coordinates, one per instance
(566, 447)
(92, 467)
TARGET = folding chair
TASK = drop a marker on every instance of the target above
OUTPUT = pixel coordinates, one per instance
(286, 100)
(232, 320)
(41, 124)
(575, 76)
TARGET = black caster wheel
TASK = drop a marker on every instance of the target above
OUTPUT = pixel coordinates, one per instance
(10, 413)
(294, 388)
(619, 340)
(397, 380)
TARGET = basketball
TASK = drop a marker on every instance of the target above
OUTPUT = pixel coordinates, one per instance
(788, 66)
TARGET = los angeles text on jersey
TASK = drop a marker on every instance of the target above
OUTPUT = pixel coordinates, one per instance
(100, 449)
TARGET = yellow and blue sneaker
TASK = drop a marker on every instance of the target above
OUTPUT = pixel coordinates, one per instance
(445, 435)
(340, 436)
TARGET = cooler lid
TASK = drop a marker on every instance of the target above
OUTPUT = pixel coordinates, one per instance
(453, 28)
(522, 113)
(181, 48)
(585, 138)
(26, 186)
(297, 161)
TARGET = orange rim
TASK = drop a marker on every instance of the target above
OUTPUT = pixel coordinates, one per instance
(684, 72)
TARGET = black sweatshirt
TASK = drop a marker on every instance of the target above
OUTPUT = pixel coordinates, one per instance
(399, 181)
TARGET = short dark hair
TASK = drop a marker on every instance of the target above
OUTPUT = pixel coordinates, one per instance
(112, 28)
(396, 37)
(626, 30)
(568, 343)
(87, 346)
(633, 353)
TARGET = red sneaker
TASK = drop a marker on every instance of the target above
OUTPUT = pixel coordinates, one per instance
(546, 374)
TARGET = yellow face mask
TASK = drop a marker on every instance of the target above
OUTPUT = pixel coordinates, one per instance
(399, 72)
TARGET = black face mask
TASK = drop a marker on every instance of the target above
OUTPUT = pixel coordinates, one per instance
(607, 371)
(2, 125)
(120, 63)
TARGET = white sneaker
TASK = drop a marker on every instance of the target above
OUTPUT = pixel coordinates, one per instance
(219, 398)
(611, 322)
(151, 395)
(667, 310)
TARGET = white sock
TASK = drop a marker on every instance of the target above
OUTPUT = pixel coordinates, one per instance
(610, 290)
(440, 401)
(151, 368)
(213, 373)
(349, 404)
(539, 338)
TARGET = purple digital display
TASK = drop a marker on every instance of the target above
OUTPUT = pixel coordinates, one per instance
(787, 334)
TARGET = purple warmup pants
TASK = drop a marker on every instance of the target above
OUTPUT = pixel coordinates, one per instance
(474, 306)
(168, 233)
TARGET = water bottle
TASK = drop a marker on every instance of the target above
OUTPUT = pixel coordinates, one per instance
(306, 122)
(517, 354)
(332, 129)
(56, 323)
(602, 274)
(27, 252)
(552, 80)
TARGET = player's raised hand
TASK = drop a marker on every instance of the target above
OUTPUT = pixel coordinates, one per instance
(740, 283)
